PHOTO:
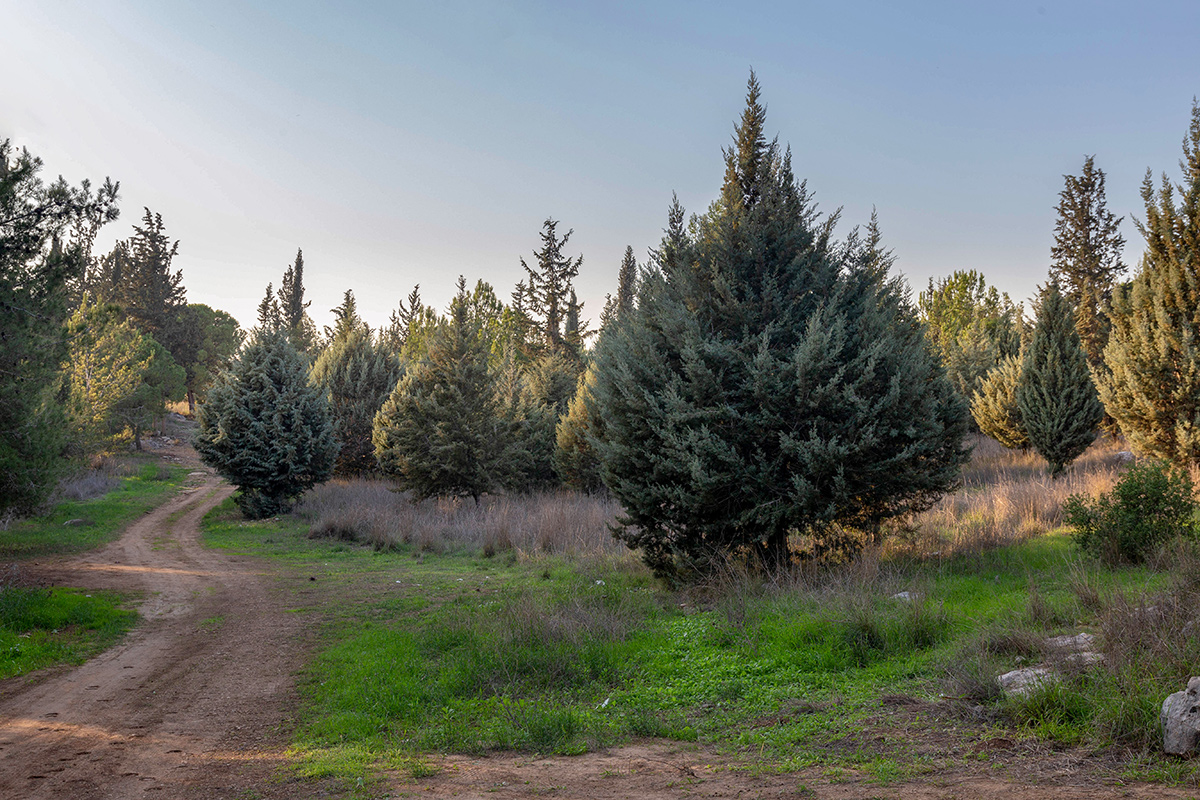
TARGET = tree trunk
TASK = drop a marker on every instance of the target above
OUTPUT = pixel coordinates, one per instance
(191, 398)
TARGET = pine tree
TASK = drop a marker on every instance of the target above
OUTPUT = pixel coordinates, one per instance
(395, 333)
(438, 432)
(767, 382)
(546, 292)
(270, 318)
(42, 254)
(265, 428)
(994, 405)
(153, 294)
(293, 308)
(1151, 381)
(208, 341)
(1056, 398)
(356, 377)
(1086, 255)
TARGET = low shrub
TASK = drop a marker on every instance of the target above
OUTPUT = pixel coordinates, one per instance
(1150, 505)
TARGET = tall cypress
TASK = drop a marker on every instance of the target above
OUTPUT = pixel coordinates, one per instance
(1057, 400)
(293, 308)
(994, 405)
(1086, 255)
(1151, 381)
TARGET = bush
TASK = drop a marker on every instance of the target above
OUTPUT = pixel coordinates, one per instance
(1150, 505)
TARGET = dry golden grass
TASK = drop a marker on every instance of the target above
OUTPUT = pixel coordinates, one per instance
(1007, 496)
(369, 511)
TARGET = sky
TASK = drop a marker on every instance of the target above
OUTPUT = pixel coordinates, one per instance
(402, 143)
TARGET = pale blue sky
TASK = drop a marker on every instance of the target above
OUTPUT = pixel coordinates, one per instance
(402, 143)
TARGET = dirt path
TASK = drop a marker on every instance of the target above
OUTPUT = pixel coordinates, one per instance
(190, 704)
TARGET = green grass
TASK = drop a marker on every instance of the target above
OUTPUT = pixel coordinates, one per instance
(462, 653)
(47, 627)
(102, 518)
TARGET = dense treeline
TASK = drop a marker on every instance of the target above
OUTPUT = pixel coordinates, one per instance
(757, 385)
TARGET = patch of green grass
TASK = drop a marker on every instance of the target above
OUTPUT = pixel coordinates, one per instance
(461, 653)
(95, 522)
(45, 627)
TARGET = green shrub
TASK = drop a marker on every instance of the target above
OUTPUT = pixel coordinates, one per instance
(1151, 504)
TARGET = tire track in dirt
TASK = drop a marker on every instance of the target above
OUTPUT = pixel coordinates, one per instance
(192, 703)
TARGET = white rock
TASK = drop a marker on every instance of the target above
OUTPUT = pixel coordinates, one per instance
(906, 597)
(1079, 643)
(1180, 719)
(1021, 682)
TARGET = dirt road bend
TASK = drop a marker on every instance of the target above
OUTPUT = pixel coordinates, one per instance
(192, 703)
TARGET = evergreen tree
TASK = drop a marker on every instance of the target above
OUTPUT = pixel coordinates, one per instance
(265, 428)
(293, 308)
(1056, 398)
(153, 294)
(546, 292)
(768, 383)
(575, 459)
(621, 304)
(208, 341)
(994, 405)
(439, 432)
(270, 318)
(357, 377)
(42, 253)
(395, 333)
(1151, 381)
(1086, 255)
(346, 319)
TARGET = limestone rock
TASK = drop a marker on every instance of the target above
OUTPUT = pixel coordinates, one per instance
(1180, 718)
(1021, 682)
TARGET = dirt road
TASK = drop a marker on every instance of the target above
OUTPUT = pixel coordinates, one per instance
(190, 704)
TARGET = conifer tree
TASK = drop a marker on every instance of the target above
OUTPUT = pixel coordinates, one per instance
(1086, 255)
(994, 405)
(438, 432)
(208, 341)
(767, 382)
(575, 459)
(346, 319)
(265, 428)
(42, 253)
(357, 377)
(619, 305)
(1151, 381)
(153, 294)
(270, 318)
(1056, 398)
(293, 308)
(395, 333)
(546, 292)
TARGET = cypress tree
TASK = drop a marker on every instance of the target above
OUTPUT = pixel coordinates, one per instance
(615, 307)
(768, 382)
(356, 377)
(438, 432)
(994, 406)
(153, 294)
(1151, 381)
(293, 308)
(265, 428)
(1086, 255)
(575, 460)
(545, 295)
(1056, 398)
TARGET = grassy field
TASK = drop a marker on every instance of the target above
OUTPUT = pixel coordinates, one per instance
(92, 510)
(42, 627)
(451, 628)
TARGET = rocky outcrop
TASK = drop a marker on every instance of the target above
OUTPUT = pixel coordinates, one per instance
(1180, 718)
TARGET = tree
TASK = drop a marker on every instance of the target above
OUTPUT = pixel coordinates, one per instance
(265, 428)
(615, 307)
(1056, 398)
(356, 377)
(768, 382)
(46, 232)
(575, 458)
(972, 325)
(270, 318)
(153, 294)
(994, 405)
(438, 432)
(1151, 381)
(208, 340)
(293, 308)
(545, 295)
(346, 320)
(1086, 255)
(393, 335)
